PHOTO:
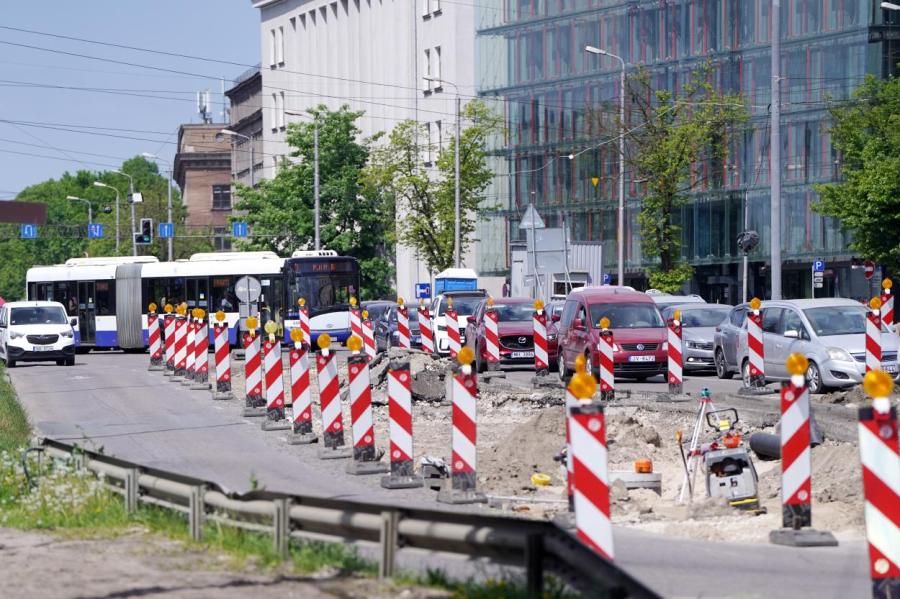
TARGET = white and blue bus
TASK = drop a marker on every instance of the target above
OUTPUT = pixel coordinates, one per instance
(327, 282)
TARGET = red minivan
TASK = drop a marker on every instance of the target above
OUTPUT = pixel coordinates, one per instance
(639, 331)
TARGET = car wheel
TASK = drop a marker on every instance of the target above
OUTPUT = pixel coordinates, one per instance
(561, 369)
(745, 373)
(480, 365)
(721, 367)
(10, 363)
(814, 378)
(60, 362)
(70, 361)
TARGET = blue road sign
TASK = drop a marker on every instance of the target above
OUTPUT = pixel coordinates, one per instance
(95, 231)
(239, 229)
(607, 279)
(165, 230)
(423, 290)
(818, 266)
(28, 231)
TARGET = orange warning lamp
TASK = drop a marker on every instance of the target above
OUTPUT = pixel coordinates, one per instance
(878, 383)
(400, 301)
(490, 302)
(324, 341)
(365, 314)
(252, 323)
(200, 314)
(604, 324)
(220, 315)
(796, 364)
(270, 327)
(875, 303)
(168, 308)
(152, 308)
(353, 302)
(677, 315)
(301, 302)
(465, 356)
(643, 466)
(296, 335)
(449, 303)
(538, 305)
(583, 385)
(755, 304)
(354, 343)
(421, 303)
(887, 284)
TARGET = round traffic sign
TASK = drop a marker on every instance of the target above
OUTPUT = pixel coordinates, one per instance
(868, 269)
(247, 289)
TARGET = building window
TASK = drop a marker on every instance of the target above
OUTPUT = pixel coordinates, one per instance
(279, 46)
(438, 137)
(437, 67)
(221, 197)
(426, 8)
(280, 110)
(435, 7)
(273, 113)
(221, 241)
(428, 147)
(426, 84)
(272, 45)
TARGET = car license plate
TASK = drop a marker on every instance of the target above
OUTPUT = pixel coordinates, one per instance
(889, 368)
(43, 348)
(642, 358)
(522, 354)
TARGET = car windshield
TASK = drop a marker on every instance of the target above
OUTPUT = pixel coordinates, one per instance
(465, 305)
(38, 315)
(376, 310)
(705, 317)
(838, 320)
(627, 316)
(514, 312)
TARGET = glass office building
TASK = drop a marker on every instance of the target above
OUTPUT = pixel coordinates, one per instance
(531, 65)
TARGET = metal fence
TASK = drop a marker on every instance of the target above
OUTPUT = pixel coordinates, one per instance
(537, 546)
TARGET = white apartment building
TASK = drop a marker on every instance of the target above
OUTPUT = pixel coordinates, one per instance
(372, 55)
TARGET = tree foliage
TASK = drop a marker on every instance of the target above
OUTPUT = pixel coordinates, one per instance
(281, 210)
(424, 199)
(867, 201)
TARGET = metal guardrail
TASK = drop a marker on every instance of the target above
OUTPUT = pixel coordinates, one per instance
(537, 546)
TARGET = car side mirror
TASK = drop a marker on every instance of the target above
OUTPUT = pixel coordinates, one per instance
(73, 323)
(578, 324)
(470, 319)
(792, 334)
(554, 318)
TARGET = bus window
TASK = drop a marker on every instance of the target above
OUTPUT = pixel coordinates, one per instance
(222, 294)
(177, 291)
(106, 298)
(66, 293)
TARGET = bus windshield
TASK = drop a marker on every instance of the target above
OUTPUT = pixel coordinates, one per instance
(324, 284)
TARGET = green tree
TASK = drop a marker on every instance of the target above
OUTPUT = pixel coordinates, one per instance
(425, 200)
(281, 210)
(669, 137)
(866, 130)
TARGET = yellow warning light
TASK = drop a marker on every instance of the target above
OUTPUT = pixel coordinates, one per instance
(583, 385)
(180, 310)
(465, 356)
(296, 335)
(887, 284)
(353, 301)
(421, 303)
(252, 323)
(270, 327)
(676, 315)
(875, 303)
(604, 323)
(354, 343)
(580, 363)
(324, 341)
(449, 303)
(152, 307)
(755, 303)
(796, 364)
(878, 383)
(365, 314)
(301, 302)
(220, 316)
(490, 302)
(168, 308)
(538, 305)
(400, 301)
(200, 314)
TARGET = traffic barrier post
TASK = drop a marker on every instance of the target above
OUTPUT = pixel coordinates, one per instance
(454, 342)
(887, 304)
(541, 351)
(755, 347)
(190, 339)
(796, 463)
(154, 339)
(180, 345)
(355, 319)
(676, 355)
(330, 403)
(362, 426)
(255, 403)
(607, 361)
(589, 466)
(169, 330)
(272, 371)
(873, 335)
(403, 473)
(566, 520)
(303, 315)
(201, 353)
(368, 336)
(492, 335)
(222, 357)
(461, 487)
(426, 330)
(880, 457)
(301, 398)
(403, 335)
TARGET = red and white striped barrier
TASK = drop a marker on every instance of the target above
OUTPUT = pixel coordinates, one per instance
(676, 355)
(369, 336)
(190, 336)
(180, 347)
(589, 467)
(887, 304)
(880, 456)
(255, 401)
(355, 319)
(169, 330)
(571, 402)
(873, 335)
(303, 316)
(403, 336)
(403, 474)
(362, 425)
(461, 487)
(274, 377)
(425, 329)
(796, 460)
(755, 347)
(607, 361)
(301, 398)
(492, 333)
(222, 357)
(154, 339)
(454, 342)
(539, 326)
(330, 403)
(201, 356)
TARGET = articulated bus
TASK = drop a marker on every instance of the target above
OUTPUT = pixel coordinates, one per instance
(109, 296)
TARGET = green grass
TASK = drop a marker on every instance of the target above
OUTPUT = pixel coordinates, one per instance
(14, 428)
(509, 588)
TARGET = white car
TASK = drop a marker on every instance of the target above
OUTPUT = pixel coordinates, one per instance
(465, 303)
(36, 332)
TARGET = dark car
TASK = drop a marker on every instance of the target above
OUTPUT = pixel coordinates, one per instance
(377, 308)
(516, 332)
(386, 334)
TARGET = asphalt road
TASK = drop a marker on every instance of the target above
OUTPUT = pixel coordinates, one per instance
(110, 400)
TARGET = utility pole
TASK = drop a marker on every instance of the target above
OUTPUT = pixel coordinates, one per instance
(456, 250)
(169, 213)
(775, 154)
(316, 177)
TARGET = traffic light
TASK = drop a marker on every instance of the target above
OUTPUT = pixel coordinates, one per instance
(145, 235)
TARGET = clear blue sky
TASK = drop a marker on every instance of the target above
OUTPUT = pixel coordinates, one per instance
(221, 29)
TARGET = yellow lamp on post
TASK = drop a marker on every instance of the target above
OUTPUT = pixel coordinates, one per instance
(352, 302)
(449, 303)
(465, 357)
(886, 285)
(365, 314)
(879, 385)
(252, 323)
(875, 303)
(220, 316)
(421, 303)
(168, 308)
(538, 306)
(755, 304)
(297, 337)
(797, 365)
(490, 302)
(354, 343)
(270, 328)
(583, 386)
(324, 343)
(200, 314)
(152, 308)
(604, 324)
(400, 301)
(301, 302)
(676, 316)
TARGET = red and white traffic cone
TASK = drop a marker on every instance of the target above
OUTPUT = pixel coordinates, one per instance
(796, 462)
(255, 403)
(426, 330)
(676, 355)
(541, 351)
(887, 304)
(873, 335)
(454, 343)
(492, 334)
(607, 361)
(368, 336)
(222, 356)
(201, 355)
(462, 486)
(362, 426)
(403, 471)
(190, 353)
(180, 347)
(274, 377)
(880, 456)
(589, 467)
(330, 403)
(169, 330)
(154, 339)
(755, 348)
(303, 314)
(403, 336)
(301, 399)
(355, 319)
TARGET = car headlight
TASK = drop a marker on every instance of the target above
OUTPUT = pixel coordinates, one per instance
(15, 335)
(395, 334)
(841, 355)
(551, 337)
(665, 346)
(69, 334)
(692, 345)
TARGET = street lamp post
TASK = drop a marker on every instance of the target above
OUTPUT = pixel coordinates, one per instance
(102, 184)
(90, 210)
(316, 209)
(130, 201)
(456, 190)
(621, 213)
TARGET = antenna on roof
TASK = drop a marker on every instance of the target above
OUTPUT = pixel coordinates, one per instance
(203, 103)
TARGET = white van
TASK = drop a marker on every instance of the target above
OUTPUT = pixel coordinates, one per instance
(36, 332)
